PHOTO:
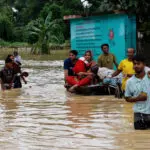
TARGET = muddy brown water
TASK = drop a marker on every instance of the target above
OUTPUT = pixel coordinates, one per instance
(43, 116)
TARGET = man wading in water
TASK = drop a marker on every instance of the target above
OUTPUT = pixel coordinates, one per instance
(138, 91)
(7, 74)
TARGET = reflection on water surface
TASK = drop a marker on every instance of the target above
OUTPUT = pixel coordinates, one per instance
(42, 115)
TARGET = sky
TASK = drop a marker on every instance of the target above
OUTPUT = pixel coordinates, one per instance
(85, 3)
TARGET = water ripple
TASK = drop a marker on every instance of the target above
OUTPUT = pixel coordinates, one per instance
(42, 115)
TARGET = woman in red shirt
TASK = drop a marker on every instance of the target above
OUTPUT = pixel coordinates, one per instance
(82, 70)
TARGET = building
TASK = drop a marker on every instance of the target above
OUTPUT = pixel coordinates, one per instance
(117, 30)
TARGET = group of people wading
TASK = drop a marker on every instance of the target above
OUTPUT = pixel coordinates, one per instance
(11, 73)
(133, 72)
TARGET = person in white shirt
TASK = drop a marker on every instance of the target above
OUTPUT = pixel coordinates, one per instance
(17, 57)
(138, 92)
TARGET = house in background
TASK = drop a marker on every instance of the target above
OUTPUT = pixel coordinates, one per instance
(89, 33)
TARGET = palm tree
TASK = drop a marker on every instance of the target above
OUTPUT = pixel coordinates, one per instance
(47, 31)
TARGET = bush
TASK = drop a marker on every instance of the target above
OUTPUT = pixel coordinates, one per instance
(12, 44)
(19, 34)
(6, 28)
(54, 8)
(31, 38)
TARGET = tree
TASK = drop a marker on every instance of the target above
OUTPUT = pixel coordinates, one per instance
(55, 9)
(72, 7)
(28, 10)
(6, 23)
(6, 28)
(46, 31)
(140, 8)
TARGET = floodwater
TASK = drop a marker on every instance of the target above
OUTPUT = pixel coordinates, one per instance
(43, 116)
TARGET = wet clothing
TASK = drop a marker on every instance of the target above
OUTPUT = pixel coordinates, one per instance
(16, 68)
(80, 66)
(112, 81)
(72, 80)
(17, 80)
(134, 87)
(7, 77)
(104, 72)
(106, 60)
(126, 67)
(10, 77)
(68, 65)
(17, 58)
(141, 121)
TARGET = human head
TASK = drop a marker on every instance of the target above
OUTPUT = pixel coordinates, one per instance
(105, 48)
(130, 53)
(10, 56)
(15, 53)
(9, 63)
(73, 54)
(138, 63)
(88, 55)
(94, 69)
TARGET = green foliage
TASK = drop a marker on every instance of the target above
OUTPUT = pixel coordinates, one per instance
(7, 11)
(6, 28)
(54, 8)
(141, 8)
(46, 31)
(13, 44)
(28, 10)
(19, 34)
(17, 25)
(31, 38)
(72, 7)
(6, 23)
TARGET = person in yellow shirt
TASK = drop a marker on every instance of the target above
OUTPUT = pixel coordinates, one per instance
(126, 67)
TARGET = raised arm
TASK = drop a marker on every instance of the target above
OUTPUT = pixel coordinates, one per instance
(116, 73)
(119, 69)
(24, 80)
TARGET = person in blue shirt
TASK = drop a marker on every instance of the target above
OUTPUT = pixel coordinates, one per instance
(69, 63)
(138, 91)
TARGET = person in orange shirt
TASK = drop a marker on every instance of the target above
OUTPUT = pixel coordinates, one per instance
(126, 67)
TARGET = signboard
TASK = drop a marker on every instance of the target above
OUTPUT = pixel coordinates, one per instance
(115, 30)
